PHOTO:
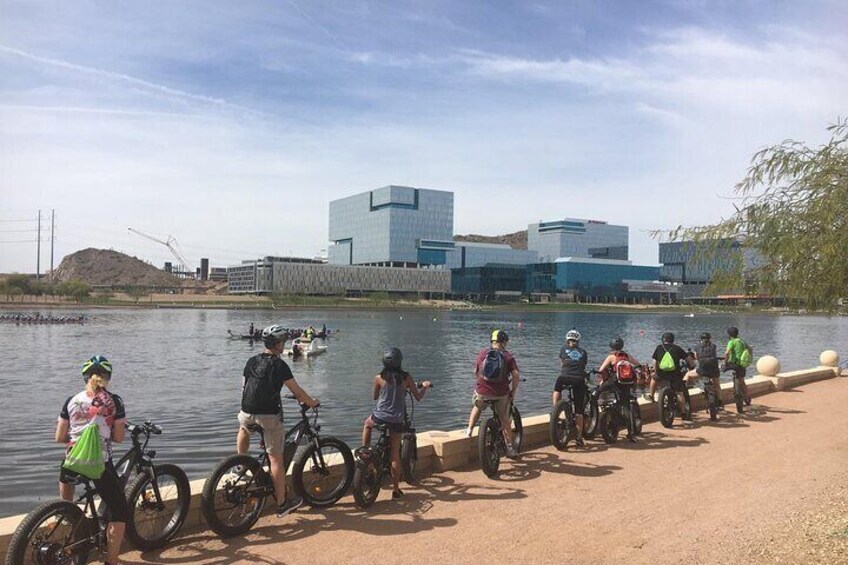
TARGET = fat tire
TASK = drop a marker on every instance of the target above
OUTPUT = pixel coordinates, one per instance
(137, 488)
(305, 457)
(488, 449)
(738, 397)
(518, 434)
(210, 488)
(409, 456)
(609, 425)
(367, 481)
(666, 407)
(20, 541)
(637, 417)
(590, 418)
(561, 429)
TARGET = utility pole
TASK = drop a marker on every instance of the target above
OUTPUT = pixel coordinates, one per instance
(38, 250)
(52, 239)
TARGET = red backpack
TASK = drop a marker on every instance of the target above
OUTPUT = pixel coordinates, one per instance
(624, 371)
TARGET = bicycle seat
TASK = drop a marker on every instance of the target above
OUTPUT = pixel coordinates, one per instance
(73, 478)
(253, 428)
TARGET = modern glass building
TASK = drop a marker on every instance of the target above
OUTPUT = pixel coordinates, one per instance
(578, 238)
(392, 226)
(695, 264)
(468, 254)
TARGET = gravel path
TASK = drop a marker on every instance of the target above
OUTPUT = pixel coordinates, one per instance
(766, 487)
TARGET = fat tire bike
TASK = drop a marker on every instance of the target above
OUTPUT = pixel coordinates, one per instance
(563, 424)
(62, 533)
(491, 445)
(668, 404)
(236, 490)
(375, 463)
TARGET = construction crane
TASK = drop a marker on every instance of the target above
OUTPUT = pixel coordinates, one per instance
(171, 244)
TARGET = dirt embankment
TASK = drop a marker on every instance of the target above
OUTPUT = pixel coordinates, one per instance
(516, 240)
(98, 267)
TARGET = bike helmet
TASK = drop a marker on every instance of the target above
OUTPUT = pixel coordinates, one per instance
(668, 337)
(97, 364)
(500, 336)
(733, 331)
(274, 334)
(572, 335)
(392, 358)
(706, 335)
(617, 344)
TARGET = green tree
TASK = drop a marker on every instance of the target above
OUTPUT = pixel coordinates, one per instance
(19, 285)
(75, 288)
(136, 292)
(793, 213)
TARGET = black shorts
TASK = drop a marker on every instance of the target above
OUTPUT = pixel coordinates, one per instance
(578, 390)
(674, 380)
(708, 372)
(738, 370)
(110, 491)
(394, 427)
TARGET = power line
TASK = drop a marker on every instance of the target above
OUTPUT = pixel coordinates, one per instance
(17, 231)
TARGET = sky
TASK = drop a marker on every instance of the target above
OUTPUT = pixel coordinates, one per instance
(230, 126)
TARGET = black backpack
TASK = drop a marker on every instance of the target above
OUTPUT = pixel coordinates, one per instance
(494, 367)
(259, 395)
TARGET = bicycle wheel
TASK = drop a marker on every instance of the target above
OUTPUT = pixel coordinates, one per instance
(489, 443)
(409, 456)
(561, 429)
(322, 474)
(53, 532)
(158, 506)
(590, 418)
(234, 495)
(738, 396)
(517, 428)
(367, 480)
(666, 406)
(609, 425)
(637, 417)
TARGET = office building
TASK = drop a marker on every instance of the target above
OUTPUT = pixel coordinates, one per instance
(578, 238)
(466, 254)
(392, 226)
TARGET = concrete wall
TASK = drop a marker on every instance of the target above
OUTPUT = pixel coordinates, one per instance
(445, 450)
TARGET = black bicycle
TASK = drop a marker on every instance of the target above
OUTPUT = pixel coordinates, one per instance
(491, 445)
(374, 463)
(669, 407)
(738, 392)
(61, 533)
(235, 492)
(619, 409)
(711, 397)
(563, 424)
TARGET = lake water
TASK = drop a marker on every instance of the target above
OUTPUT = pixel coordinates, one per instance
(179, 369)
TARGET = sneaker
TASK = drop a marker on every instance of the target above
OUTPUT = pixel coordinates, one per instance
(579, 441)
(687, 418)
(631, 438)
(648, 396)
(289, 506)
(748, 401)
(397, 494)
(511, 453)
(467, 432)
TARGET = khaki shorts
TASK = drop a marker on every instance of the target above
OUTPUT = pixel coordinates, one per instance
(272, 429)
(501, 405)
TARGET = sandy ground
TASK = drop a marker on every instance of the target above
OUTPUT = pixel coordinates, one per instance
(767, 487)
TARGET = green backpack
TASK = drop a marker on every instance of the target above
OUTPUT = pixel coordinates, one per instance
(747, 356)
(86, 456)
(667, 363)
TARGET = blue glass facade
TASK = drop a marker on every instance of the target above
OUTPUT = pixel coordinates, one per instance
(598, 277)
(388, 225)
(467, 254)
(578, 238)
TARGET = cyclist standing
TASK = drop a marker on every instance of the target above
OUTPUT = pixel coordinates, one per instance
(707, 358)
(264, 376)
(496, 387)
(664, 355)
(618, 373)
(97, 405)
(390, 388)
(573, 360)
(733, 360)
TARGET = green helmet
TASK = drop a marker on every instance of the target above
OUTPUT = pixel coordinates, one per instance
(97, 364)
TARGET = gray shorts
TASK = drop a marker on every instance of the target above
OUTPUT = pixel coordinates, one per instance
(272, 429)
(501, 405)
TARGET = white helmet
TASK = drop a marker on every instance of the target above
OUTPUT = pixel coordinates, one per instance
(275, 332)
(572, 335)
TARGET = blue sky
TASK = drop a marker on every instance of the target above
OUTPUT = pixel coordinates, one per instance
(231, 125)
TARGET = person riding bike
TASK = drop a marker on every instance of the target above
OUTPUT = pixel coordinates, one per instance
(496, 387)
(668, 358)
(736, 348)
(264, 376)
(618, 373)
(707, 358)
(573, 360)
(97, 405)
(390, 388)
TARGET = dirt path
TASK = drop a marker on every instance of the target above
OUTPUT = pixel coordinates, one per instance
(767, 487)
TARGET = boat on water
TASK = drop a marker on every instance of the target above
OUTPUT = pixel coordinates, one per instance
(257, 336)
(301, 350)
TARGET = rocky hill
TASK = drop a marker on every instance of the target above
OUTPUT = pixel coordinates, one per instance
(107, 267)
(516, 240)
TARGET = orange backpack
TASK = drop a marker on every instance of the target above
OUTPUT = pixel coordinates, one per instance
(625, 372)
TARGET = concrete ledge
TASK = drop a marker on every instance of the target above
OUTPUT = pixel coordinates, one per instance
(441, 450)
